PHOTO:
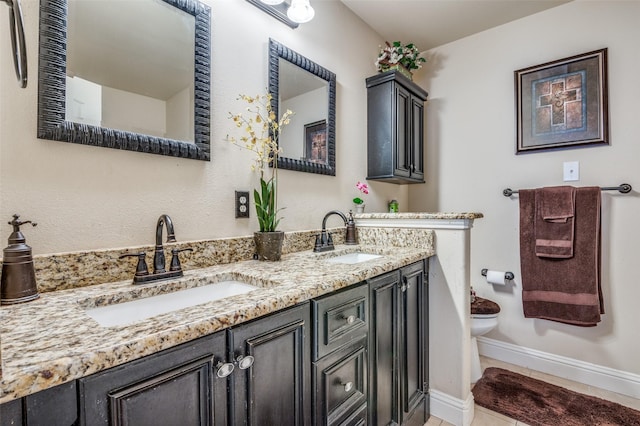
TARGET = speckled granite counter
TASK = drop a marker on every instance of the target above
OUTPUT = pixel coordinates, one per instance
(435, 216)
(51, 340)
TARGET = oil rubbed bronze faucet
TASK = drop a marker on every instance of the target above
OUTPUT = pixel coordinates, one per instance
(324, 241)
(158, 255)
(159, 263)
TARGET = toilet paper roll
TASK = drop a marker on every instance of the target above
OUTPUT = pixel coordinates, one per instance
(496, 277)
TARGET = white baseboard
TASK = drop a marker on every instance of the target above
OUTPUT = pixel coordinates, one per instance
(618, 381)
(453, 410)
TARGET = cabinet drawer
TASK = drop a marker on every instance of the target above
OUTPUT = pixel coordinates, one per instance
(358, 418)
(339, 319)
(340, 385)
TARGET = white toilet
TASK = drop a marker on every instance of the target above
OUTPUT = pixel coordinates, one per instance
(484, 318)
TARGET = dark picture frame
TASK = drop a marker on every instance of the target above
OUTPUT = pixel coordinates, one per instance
(562, 104)
(316, 142)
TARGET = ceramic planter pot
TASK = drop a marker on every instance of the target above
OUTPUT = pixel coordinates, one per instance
(269, 245)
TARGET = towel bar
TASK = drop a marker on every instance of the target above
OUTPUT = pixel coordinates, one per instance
(623, 188)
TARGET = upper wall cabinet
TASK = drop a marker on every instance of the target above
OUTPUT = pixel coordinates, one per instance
(133, 77)
(395, 129)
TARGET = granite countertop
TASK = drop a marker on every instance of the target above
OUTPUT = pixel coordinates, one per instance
(51, 340)
(420, 215)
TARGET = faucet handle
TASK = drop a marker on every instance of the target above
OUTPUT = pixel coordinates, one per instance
(141, 269)
(175, 259)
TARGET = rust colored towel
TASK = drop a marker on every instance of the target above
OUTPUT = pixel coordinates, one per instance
(564, 290)
(554, 221)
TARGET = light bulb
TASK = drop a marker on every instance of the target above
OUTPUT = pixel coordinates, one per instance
(272, 2)
(300, 11)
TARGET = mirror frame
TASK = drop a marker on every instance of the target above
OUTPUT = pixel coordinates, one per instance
(277, 51)
(52, 69)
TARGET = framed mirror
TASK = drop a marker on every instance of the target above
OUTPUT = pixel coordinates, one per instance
(308, 143)
(133, 77)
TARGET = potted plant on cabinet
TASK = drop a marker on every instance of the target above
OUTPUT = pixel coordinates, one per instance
(403, 58)
(262, 130)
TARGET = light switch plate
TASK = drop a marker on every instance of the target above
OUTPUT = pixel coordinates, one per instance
(571, 171)
(242, 204)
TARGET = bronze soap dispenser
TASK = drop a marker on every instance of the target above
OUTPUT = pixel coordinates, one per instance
(18, 282)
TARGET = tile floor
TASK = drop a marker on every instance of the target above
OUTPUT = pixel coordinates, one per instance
(484, 417)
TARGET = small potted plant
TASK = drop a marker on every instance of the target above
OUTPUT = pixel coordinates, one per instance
(262, 132)
(359, 202)
(403, 58)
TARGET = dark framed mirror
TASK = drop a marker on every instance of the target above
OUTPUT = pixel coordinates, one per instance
(133, 77)
(308, 143)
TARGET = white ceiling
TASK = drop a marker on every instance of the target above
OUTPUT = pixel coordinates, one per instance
(142, 46)
(431, 23)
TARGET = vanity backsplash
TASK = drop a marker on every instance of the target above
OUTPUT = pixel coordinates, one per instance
(63, 271)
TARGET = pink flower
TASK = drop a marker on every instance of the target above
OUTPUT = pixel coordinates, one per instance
(362, 187)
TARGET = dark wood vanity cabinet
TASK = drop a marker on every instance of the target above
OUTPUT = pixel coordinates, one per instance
(395, 129)
(398, 347)
(357, 356)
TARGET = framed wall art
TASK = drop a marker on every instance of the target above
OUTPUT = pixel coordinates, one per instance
(315, 142)
(562, 104)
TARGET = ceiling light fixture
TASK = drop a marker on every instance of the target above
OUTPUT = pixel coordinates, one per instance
(300, 11)
(272, 2)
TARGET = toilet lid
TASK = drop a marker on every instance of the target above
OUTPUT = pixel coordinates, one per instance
(484, 306)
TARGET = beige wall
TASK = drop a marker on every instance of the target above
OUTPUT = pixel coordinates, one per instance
(470, 160)
(89, 198)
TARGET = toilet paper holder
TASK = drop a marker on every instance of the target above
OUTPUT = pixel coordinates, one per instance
(507, 275)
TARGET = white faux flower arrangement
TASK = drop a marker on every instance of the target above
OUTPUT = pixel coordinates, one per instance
(396, 53)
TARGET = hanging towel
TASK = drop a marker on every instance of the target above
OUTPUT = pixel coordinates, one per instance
(554, 221)
(563, 290)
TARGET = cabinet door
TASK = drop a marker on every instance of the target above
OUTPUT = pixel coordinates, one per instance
(384, 397)
(416, 142)
(11, 413)
(404, 133)
(174, 387)
(413, 344)
(275, 389)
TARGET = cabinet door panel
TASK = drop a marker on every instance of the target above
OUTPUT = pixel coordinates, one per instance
(383, 349)
(57, 406)
(414, 345)
(403, 132)
(417, 137)
(179, 396)
(151, 390)
(11, 413)
(276, 388)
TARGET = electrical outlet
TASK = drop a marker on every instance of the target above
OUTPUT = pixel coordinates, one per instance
(242, 204)
(571, 171)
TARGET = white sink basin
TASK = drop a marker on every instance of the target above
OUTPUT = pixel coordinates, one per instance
(353, 258)
(136, 310)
